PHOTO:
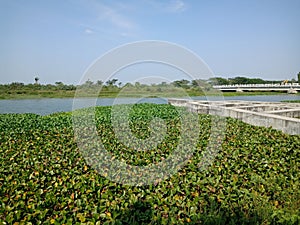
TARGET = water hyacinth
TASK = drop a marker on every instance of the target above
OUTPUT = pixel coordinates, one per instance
(46, 179)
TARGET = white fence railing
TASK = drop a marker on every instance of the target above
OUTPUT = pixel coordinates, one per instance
(291, 85)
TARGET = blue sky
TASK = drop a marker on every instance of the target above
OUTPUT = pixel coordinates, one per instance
(58, 40)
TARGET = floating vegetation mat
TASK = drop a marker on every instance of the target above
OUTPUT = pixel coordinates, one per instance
(44, 178)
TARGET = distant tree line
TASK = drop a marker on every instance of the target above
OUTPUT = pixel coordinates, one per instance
(241, 80)
(114, 84)
(36, 86)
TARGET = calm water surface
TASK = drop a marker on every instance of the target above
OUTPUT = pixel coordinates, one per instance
(50, 105)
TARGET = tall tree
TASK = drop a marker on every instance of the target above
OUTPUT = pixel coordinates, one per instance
(239, 80)
(218, 81)
(181, 83)
(111, 82)
(298, 77)
(88, 83)
(36, 79)
(99, 82)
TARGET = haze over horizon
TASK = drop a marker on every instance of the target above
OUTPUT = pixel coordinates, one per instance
(58, 40)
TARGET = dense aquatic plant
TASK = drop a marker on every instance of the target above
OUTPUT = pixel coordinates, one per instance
(45, 179)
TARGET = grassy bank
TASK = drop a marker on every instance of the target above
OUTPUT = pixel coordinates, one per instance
(34, 94)
(44, 178)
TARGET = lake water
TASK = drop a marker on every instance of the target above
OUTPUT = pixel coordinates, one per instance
(50, 105)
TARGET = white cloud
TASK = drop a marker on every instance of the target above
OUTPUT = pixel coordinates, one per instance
(128, 35)
(115, 18)
(108, 19)
(88, 31)
(176, 6)
(171, 6)
(114, 14)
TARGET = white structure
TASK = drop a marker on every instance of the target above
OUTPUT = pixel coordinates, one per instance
(290, 88)
(278, 115)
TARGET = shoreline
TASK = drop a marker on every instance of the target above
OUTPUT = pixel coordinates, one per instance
(137, 95)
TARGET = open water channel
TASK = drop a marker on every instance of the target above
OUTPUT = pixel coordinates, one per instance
(51, 105)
